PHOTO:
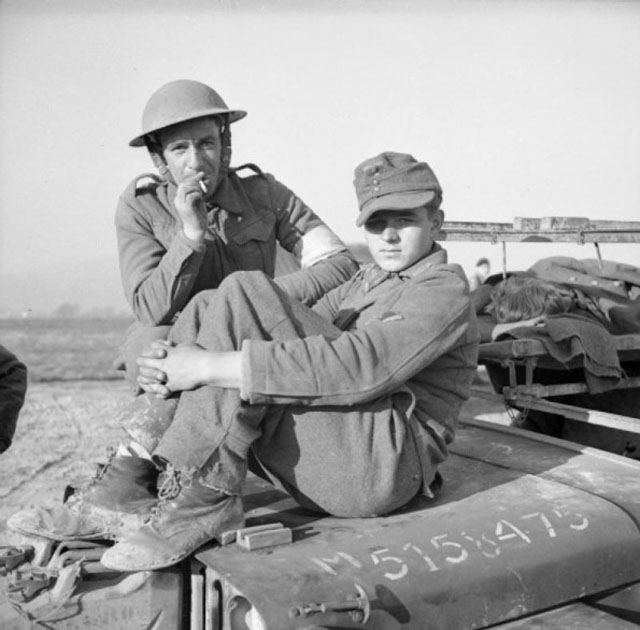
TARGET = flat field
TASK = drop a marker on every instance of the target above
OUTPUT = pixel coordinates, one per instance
(65, 349)
(68, 418)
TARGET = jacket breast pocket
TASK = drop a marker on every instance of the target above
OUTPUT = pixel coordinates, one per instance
(252, 247)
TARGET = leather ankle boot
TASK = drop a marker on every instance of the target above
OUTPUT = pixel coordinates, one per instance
(121, 494)
(188, 515)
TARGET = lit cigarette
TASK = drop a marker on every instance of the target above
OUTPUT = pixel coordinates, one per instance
(203, 186)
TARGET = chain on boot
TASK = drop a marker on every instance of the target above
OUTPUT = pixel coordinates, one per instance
(121, 494)
(188, 515)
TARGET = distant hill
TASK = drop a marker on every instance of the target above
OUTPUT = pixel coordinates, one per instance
(88, 287)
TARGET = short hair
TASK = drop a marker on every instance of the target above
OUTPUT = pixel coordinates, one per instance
(482, 261)
(522, 297)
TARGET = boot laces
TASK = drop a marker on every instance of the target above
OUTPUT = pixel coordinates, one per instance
(170, 486)
(169, 489)
(101, 469)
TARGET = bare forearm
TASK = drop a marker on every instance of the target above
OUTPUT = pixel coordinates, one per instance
(165, 368)
(222, 369)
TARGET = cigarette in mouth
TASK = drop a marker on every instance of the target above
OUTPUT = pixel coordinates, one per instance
(203, 187)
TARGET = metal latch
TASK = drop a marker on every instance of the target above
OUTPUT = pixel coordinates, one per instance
(357, 606)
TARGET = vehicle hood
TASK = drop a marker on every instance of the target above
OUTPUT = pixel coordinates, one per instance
(522, 523)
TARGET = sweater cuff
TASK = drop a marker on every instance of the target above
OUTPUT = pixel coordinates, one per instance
(254, 372)
(192, 245)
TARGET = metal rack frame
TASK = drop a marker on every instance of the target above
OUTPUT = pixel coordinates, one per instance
(531, 353)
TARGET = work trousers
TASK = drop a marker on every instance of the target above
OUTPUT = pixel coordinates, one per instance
(347, 461)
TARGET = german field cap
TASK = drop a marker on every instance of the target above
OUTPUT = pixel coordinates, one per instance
(179, 101)
(393, 181)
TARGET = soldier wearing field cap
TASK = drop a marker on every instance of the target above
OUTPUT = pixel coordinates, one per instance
(183, 230)
(348, 406)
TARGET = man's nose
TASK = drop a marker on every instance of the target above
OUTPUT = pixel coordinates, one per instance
(194, 157)
(390, 234)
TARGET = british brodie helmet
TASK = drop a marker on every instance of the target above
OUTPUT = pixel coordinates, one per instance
(179, 101)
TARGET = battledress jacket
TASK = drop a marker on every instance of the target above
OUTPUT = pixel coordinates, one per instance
(412, 331)
(248, 217)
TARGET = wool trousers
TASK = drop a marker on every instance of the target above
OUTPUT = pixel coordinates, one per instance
(350, 461)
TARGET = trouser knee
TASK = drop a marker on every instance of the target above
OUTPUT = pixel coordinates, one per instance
(137, 338)
(248, 286)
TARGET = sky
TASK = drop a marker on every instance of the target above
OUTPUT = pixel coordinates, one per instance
(522, 108)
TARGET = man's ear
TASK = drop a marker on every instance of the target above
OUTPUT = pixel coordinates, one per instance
(437, 219)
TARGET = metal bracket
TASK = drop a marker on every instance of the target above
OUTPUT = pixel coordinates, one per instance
(356, 605)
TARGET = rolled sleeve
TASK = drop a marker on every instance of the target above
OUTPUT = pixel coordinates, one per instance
(427, 320)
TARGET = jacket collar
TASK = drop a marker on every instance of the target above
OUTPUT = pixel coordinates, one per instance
(372, 275)
(437, 256)
(226, 196)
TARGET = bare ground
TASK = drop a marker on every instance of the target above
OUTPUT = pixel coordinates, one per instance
(63, 431)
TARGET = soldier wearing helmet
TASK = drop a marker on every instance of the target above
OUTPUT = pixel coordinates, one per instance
(348, 406)
(184, 230)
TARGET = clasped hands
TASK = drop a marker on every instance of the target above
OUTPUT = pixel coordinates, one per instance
(165, 368)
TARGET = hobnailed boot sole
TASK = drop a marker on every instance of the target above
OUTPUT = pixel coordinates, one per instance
(63, 523)
(159, 545)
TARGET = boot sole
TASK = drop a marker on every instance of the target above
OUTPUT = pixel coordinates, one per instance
(115, 566)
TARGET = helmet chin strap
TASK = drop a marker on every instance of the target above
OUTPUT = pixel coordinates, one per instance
(160, 163)
(155, 152)
(225, 137)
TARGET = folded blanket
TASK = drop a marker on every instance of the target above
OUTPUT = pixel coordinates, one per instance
(626, 317)
(569, 337)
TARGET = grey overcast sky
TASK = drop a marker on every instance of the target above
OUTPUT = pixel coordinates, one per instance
(523, 108)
